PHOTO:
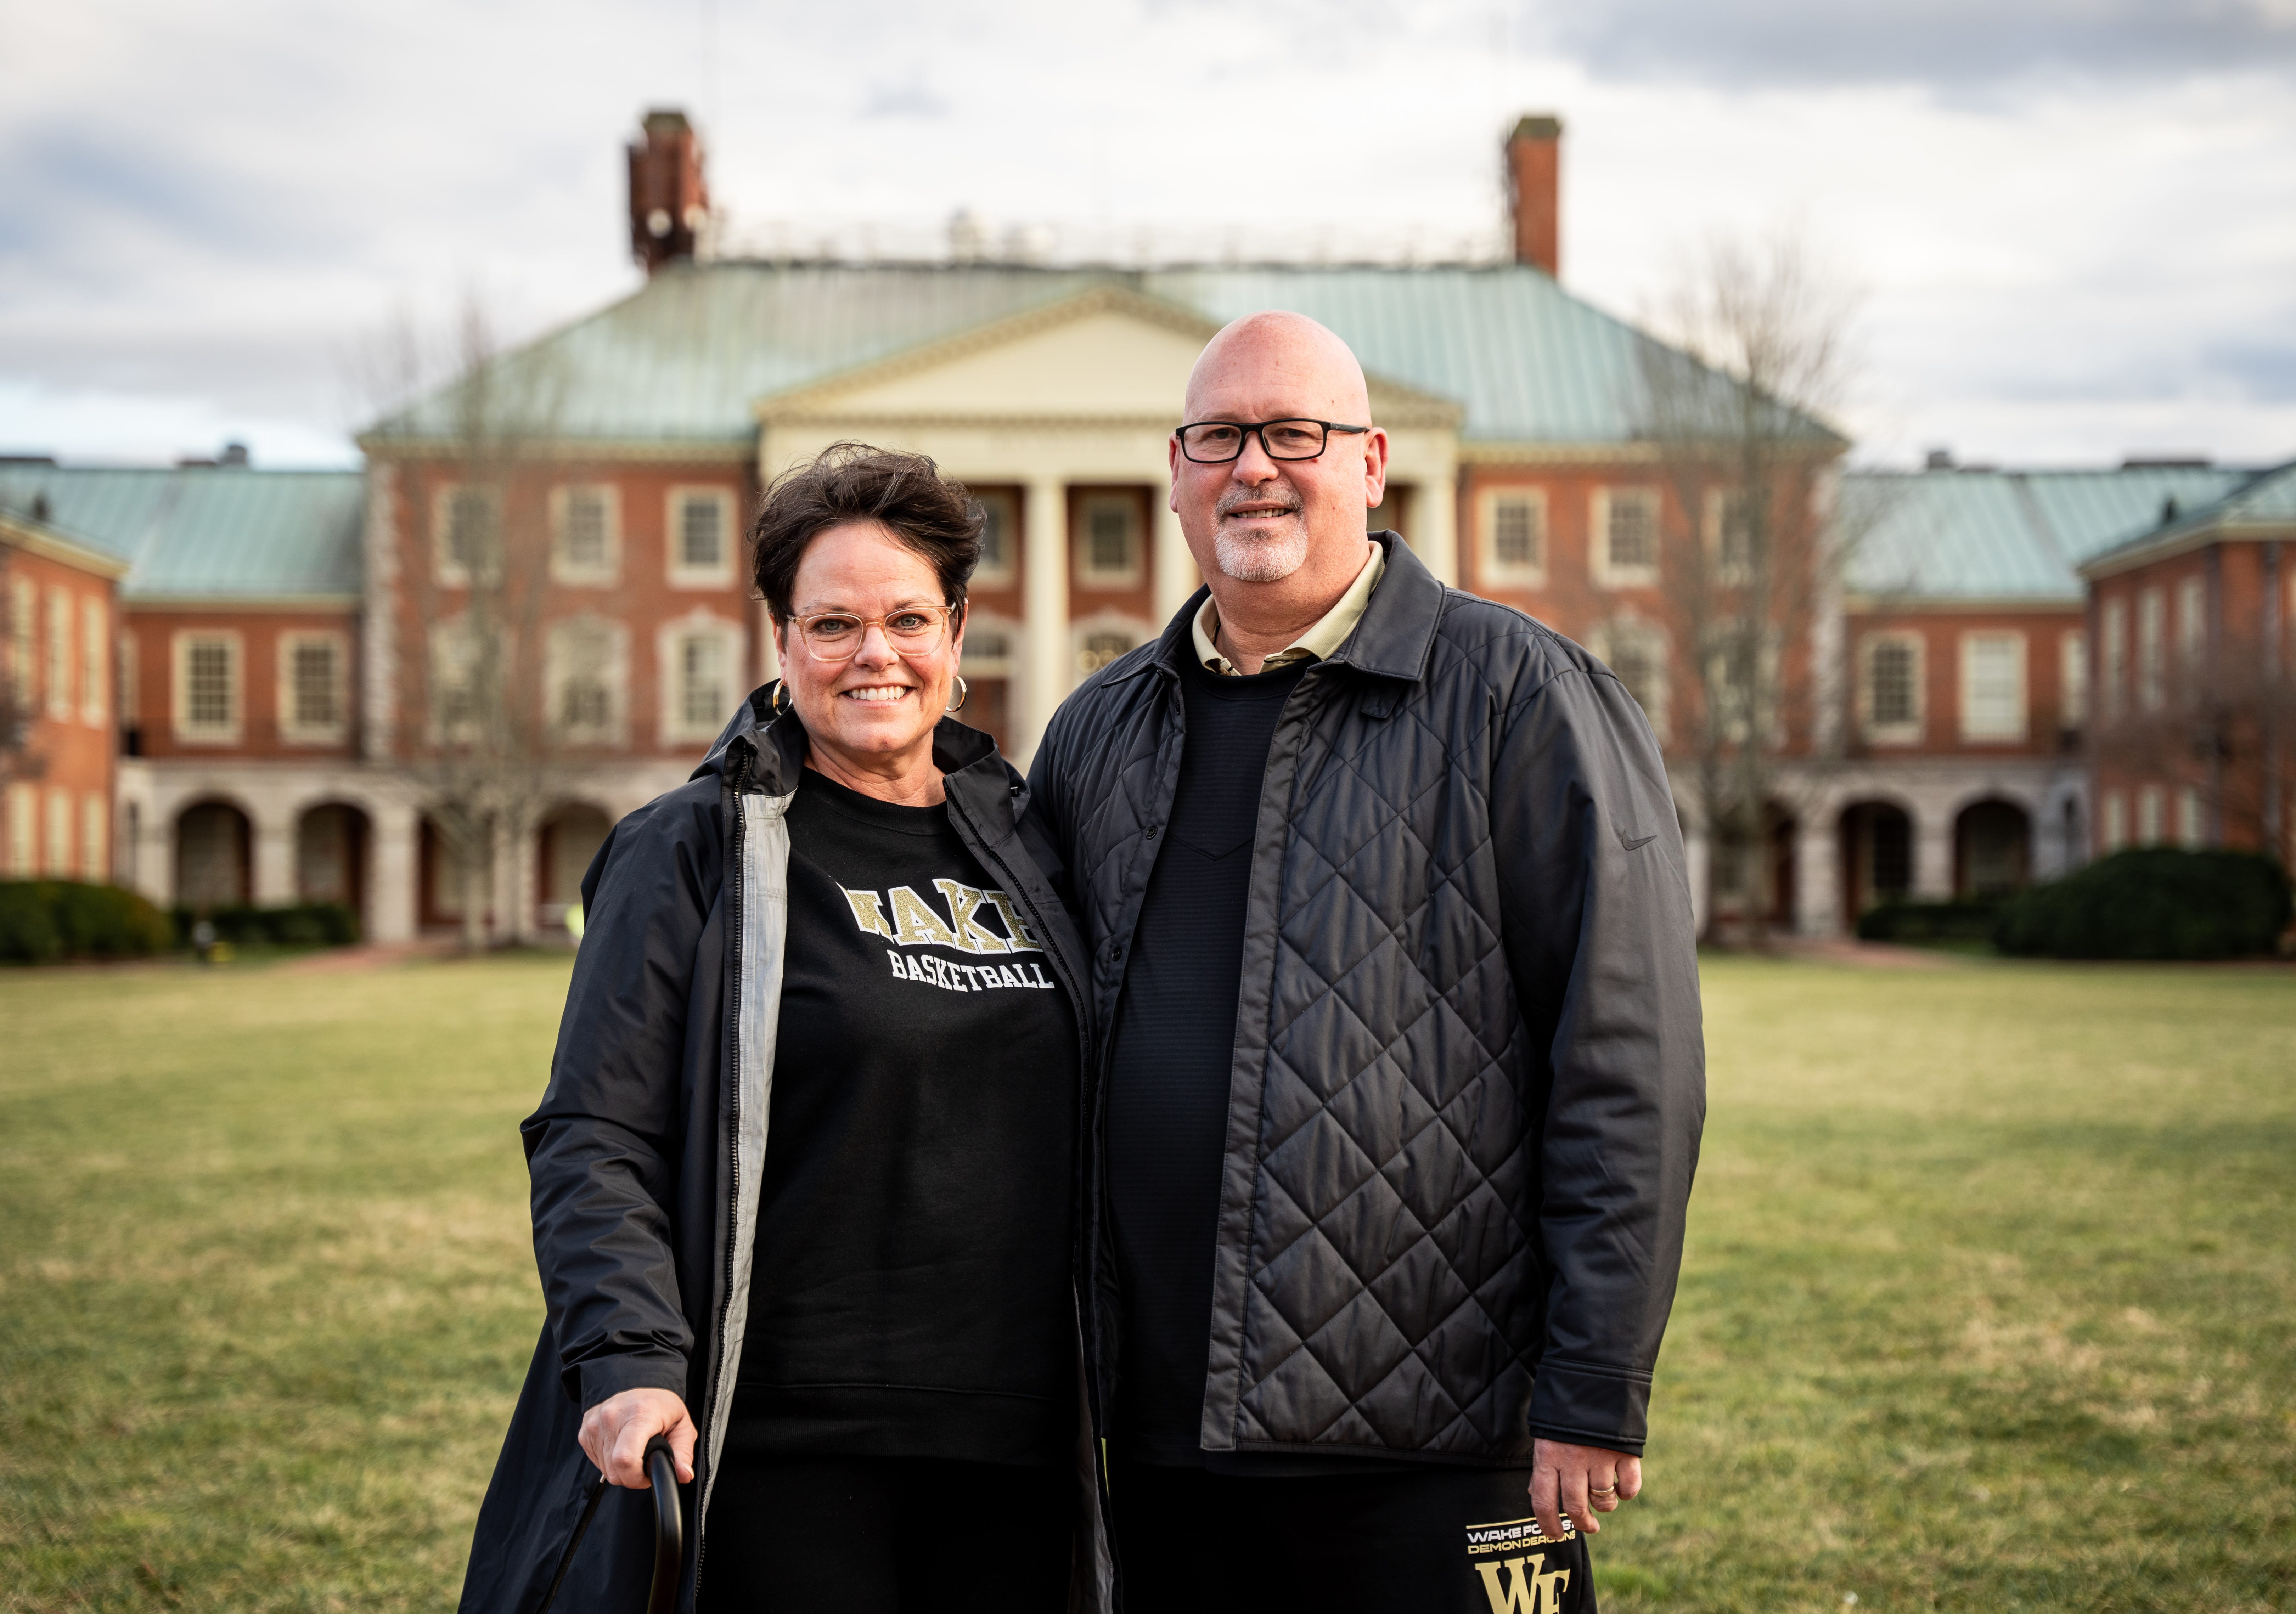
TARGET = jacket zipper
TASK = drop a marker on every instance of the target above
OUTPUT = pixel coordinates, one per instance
(736, 844)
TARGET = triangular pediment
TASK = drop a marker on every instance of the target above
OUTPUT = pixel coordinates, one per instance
(1108, 354)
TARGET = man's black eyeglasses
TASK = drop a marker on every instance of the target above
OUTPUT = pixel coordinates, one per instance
(1216, 442)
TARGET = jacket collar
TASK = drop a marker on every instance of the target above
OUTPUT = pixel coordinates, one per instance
(1392, 640)
(775, 747)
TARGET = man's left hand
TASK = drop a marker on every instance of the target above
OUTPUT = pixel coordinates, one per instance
(1581, 1481)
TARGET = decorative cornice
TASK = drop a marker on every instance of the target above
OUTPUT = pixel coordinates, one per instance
(705, 450)
(1632, 451)
(50, 544)
(1913, 604)
(2151, 551)
(269, 603)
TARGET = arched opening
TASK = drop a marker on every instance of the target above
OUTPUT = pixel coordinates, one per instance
(1992, 849)
(440, 892)
(212, 842)
(1877, 856)
(1756, 875)
(569, 838)
(330, 843)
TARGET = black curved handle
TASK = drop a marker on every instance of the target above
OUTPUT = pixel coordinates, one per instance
(669, 1526)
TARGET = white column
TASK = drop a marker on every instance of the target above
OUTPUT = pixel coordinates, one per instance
(514, 860)
(393, 868)
(1176, 574)
(1048, 662)
(1817, 879)
(274, 874)
(155, 856)
(1435, 521)
(1934, 855)
(1696, 849)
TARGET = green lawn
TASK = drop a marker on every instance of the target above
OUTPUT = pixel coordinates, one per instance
(1990, 1301)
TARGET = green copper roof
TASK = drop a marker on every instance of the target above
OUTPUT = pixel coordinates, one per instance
(222, 532)
(685, 357)
(2006, 534)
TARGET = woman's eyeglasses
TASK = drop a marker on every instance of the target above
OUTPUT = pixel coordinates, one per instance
(913, 630)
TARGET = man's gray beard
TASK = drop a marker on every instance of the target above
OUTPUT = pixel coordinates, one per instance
(1251, 558)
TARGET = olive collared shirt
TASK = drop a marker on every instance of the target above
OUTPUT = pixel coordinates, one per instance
(1320, 641)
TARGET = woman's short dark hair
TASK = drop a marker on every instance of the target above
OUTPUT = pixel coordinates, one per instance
(906, 493)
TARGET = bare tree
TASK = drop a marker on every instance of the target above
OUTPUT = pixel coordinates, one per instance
(480, 665)
(2220, 723)
(1750, 543)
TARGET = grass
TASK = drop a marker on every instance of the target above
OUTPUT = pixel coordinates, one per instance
(1990, 1305)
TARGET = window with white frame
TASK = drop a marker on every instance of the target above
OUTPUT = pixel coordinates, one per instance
(95, 837)
(2152, 649)
(1000, 539)
(23, 805)
(23, 639)
(455, 678)
(60, 654)
(2190, 830)
(586, 534)
(701, 666)
(1625, 536)
(1890, 688)
(1514, 536)
(466, 527)
(314, 687)
(700, 538)
(94, 642)
(989, 647)
(1100, 639)
(207, 687)
(1110, 545)
(2072, 678)
(1742, 682)
(1993, 686)
(2192, 628)
(2115, 820)
(587, 680)
(60, 828)
(1732, 530)
(2115, 629)
(2149, 801)
(1636, 653)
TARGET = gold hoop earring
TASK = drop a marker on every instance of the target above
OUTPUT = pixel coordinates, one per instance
(964, 694)
(780, 703)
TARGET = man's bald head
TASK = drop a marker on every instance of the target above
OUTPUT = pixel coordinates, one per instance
(1277, 354)
(1292, 528)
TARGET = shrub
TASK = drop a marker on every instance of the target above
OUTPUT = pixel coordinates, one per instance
(41, 919)
(303, 924)
(1929, 921)
(2152, 902)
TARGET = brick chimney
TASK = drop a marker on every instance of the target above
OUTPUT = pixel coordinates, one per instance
(668, 201)
(1534, 173)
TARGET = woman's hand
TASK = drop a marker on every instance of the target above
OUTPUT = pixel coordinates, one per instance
(615, 1433)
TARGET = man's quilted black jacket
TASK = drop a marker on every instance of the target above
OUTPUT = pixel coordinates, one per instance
(1470, 1074)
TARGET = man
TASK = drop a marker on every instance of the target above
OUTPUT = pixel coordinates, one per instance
(1401, 1076)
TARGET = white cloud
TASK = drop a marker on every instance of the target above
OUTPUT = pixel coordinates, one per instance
(209, 209)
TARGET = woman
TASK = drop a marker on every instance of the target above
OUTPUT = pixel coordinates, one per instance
(803, 1178)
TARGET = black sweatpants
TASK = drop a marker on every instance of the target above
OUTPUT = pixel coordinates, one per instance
(1422, 1541)
(886, 1536)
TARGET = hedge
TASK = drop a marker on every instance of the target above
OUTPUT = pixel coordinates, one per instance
(2152, 902)
(1929, 921)
(44, 920)
(303, 925)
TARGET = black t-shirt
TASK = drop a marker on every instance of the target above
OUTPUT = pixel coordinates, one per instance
(911, 1294)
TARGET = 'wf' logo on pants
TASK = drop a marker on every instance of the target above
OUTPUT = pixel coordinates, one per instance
(1531, 1592)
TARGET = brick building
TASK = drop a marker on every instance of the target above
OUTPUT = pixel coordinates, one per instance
(58, 608)
(296, 643)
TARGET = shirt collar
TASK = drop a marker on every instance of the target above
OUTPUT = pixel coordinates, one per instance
(1313, 645)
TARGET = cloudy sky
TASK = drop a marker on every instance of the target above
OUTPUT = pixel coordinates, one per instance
(2070, 224)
